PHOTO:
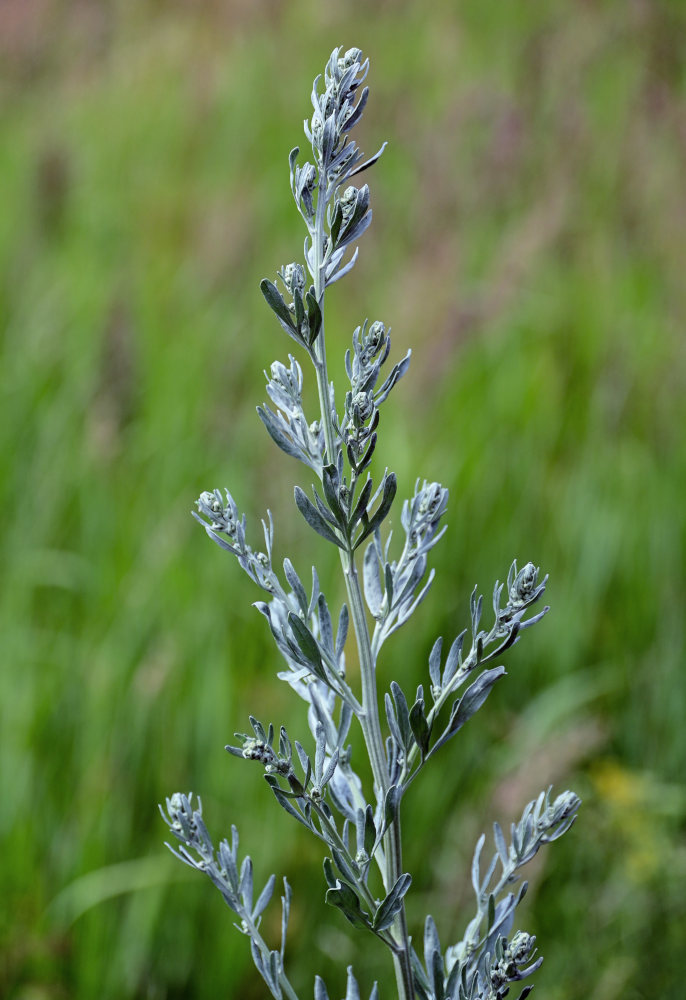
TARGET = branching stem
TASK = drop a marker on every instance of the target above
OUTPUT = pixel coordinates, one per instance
(369, 717)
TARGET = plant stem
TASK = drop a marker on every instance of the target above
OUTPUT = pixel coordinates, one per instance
(284, 982)
(369, 717)
(373, 737)
(320, 342)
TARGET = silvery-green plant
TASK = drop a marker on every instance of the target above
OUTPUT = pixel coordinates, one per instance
(316, 781)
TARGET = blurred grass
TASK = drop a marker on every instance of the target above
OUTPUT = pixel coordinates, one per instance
(528, 245)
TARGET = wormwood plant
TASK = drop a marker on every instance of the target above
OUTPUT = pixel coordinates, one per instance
(317, 781)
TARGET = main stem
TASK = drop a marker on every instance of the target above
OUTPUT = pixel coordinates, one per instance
(369, 718)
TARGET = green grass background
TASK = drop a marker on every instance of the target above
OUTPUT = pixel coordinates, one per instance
(528, 244)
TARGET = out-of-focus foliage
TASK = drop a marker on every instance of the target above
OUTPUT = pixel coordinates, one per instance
(528, 245)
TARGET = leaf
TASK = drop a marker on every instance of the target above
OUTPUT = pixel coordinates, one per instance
(367, 457)
(274, 970)
(476, 876)
(368, 163)
(390, 584)
(299, 310)
(342, 864)
(369, 830)
(435, 662)
(433, 959)
(331, 483)
(403, 714)
(470, 702)
(282, 799)
(314, 518)
(319, 754)
(324, 510)
(305, 640)
(491, 911)
(331, 879)
(370, 578)
(277, 305)
(257, 958)
(357, 113)
(342, 631)
(341, 272)
(277, 435)
(295, 585)
(420, 726)
(361, 506)
(454, 659)
(352, 990)
(396, 374)
(474, 697)
(328, 139)
(285, 913)
(221, 542)
(325, 625)
(391, 803)
(330, 768)
(354, 230)
(392, 720)
(320, 989)
(500, 844)
(292, 157)
(390, 487)
(347, 902)
(336, 223)
(421, 983)
(245, 884)
(314, 316)
(264, 897)
(392, 904)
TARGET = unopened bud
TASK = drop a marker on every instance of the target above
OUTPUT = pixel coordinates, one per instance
(294, 277)
(348, 199)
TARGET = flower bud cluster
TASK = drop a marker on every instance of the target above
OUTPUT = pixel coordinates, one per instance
(564, 806)
(223, 516)
(187, 825)
(288, 426)
(285, 386)
(335, 112)
(293, 277)
(509, 961)
(421, 515)
(259, 747)
(524, 589)
(348, 200)
(371, 346)
(254, 749)
(542, 822)
(224, 527)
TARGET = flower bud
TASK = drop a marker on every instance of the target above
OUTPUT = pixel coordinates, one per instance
(374, 340)
(524, 585)
(363, 406)
(221, 516)
(259, 750)
(348, 200)
(353, 55)
(520, 947)
(564, 805)
(433, 499)
(294, 277)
